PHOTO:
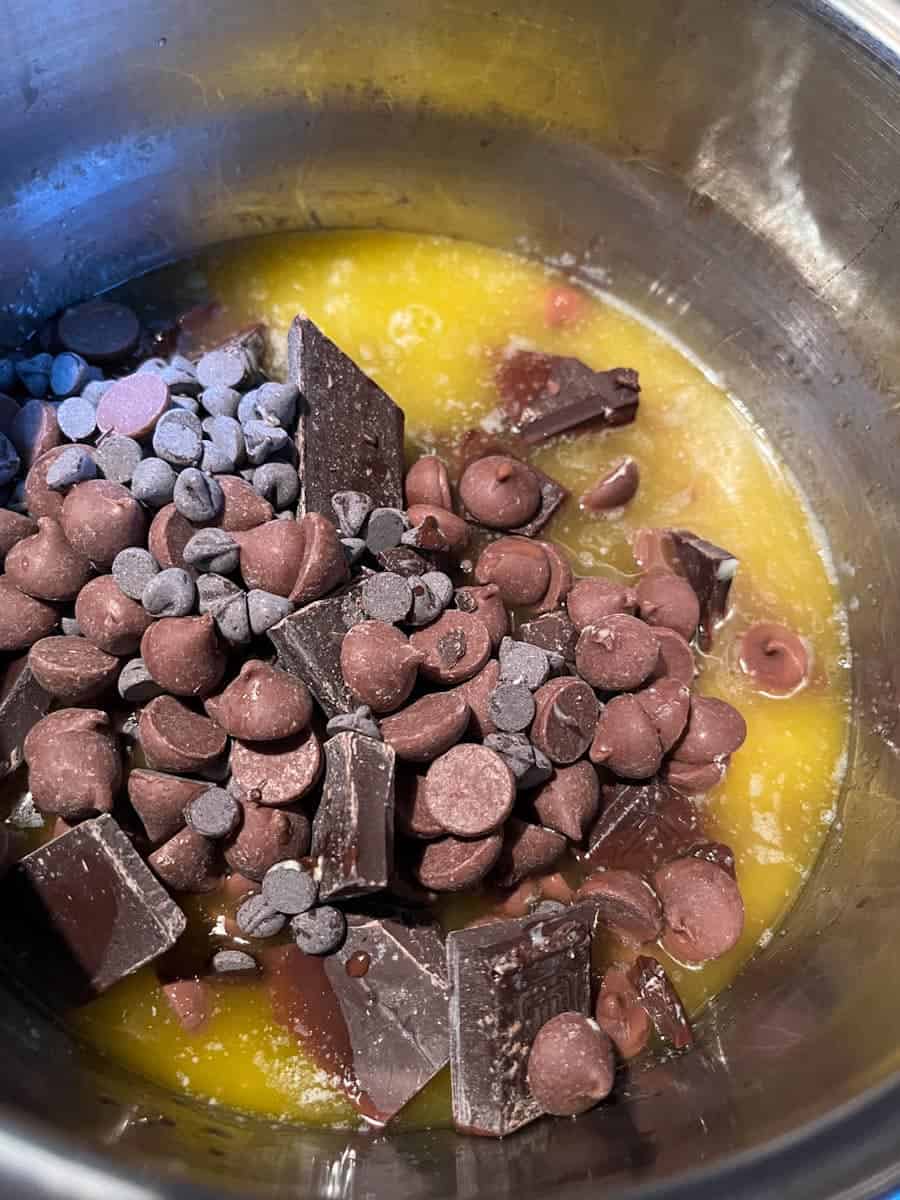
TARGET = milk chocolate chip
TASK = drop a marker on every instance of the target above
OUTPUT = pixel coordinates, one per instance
(110, 619)
(571, 1066)
(568, 802)
(244, 508)
(169, 533)
(13, 527)
(278, 772)
(626, 741)
(428, 727)
(527, 850)
(183, 654)
(519, 567)
(614, 489)
(486, 603)
(617, 653)
(133, 405)
(187, 862)
(668, 704)
(469, 790)
(676, 658)
(427, 482)
(592, 600)
(72, 669)
(45, 565)
(454, 865)
(626, 904)
(566, 712)
(160, 801)
(100, 518)
(267, 836)
(271, 554)
(694, 780)
(704, 912)
(411, 811)
(74, 768)
(453, 528)
(561, 579)
(23, 620)
(714, 731)
(477, 693)
(774, 657)
(379, 665)
(620, 1012)
(670, 602)
(454, 648)
(323, 564)
(42, 500)
(500, 492)
(263, 704)
(174, 738)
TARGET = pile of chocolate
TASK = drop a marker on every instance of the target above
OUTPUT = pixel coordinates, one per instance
(447, 710)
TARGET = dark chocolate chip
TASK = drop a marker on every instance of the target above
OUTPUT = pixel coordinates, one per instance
(216, 551)
(77, 420)
(319, 931)
(234, 964)
(153, 482)
(257, 918)
(384, 529)
(386, 597)
(360, 720)
(178, 439)
(511, 706)
(170, 593)
(117, 458)
(523, 663)
(529, 765)
(214, 813)
(352, 510)
(100, 330)
(265, 609)
(289, 888)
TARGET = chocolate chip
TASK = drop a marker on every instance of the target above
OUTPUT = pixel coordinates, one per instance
(704, 912)
(319, 931)
(174, 738)
(487, 604)
(626, 741)
(220, 400)
(429, 599)
(214, 460)
(427, 728)
(500, 492)
(427, 537)
(187, 862)
(277, 403)
(379, 665)
(178, 438)
(267, 836)
(226, 367)
(100, 330)
(170, 593)
(775, 658)
(617, 653)
(33, 431)
(278, 772)
(714, 731)
(191, 1002)
(214, 813)
(262, 704)
(13, 528)
(198, 497)
(620, 1012)
(667, 703)
(100, 518)
(354, 549)
(45, 566)
(77, 418)
(153, 482)
(244, 509)
(71, 669)
(136, 685)
(568, 802)
(454, 648)
(271, 555)
(427, 482)
(360, 720)
(527, 850)
(676, 658)
(35, 374)
(529, 765)
(235, 964)
(351, 510)
(717, 853)
(265, 609)
(73, 465)
(561, 579)
(454, 865)
(411, 812)
(257, 918)
(109, 618)
(227, 436)
(384, 529)
(592, 600)
(386, 597)
(566, 711)
(117, 457)
(70, 627)
(215, 592)
(519, 568)
(74, 768)
(214, 550)
(523, 663)
(133, 406)
(262, 441)
(402, 560)
(670, 602)
(626, 903)
(570, 1066)
(183, 654)
(469, 790)
(511, 707)
(289, 888)
(23, 619)
(615, 489)
(278, 483)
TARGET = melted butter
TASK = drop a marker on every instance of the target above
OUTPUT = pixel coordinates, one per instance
(426, 317)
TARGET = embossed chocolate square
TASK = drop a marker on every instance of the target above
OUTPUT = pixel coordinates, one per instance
(353, 830)
(506, 981)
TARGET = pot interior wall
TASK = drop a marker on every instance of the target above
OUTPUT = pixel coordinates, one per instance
(732, 171)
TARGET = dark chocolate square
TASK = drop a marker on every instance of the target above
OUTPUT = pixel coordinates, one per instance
(309, 645)
(22, 704)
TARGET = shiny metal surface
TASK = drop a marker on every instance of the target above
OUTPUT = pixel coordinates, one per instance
(731, 169)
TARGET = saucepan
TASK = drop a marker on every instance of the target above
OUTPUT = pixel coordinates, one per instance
(730, 169)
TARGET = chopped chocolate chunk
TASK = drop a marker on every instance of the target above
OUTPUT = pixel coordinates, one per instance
(353, 831)
(641, 826)
(709, 570)
(309, 645)
(658, 995)
(23, 702)
(506, 981)
(350, 434)
(403, 560)
(553, 632)
(84, 911)
(546, 394)
(191, 1001)
(620, 1013)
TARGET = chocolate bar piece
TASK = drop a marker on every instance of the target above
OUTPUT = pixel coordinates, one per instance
(350, 432)
(83, 911)
(353, 830)
(552, 496)
(309, 645)
(374, 1015)
(506, 981)
(22, 704)
(553, 631)
(662, 1002)
(709, 570)
(546, 394)
(641, 826)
